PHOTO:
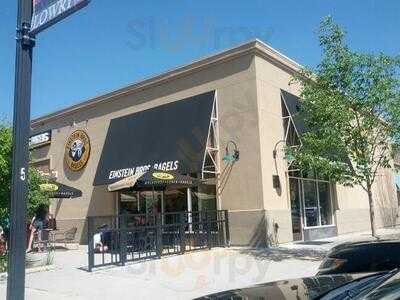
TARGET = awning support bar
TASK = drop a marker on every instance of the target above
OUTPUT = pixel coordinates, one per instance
(211, 156)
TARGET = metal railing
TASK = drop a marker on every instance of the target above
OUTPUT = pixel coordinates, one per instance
(116, 240)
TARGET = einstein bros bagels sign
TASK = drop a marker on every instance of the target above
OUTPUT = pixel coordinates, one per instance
(77, 150)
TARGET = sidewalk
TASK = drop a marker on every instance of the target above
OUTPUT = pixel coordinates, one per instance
(315, 250)
(328, 243)
(176, 277)
(182, 276)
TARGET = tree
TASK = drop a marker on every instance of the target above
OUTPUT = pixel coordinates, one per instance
(36, 197)
(351, 108)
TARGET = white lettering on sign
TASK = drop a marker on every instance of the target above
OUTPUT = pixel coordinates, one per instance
(40, 139)
(167, 166)
(22, 174)
(162, 166)
(45, 11)
(122, 173)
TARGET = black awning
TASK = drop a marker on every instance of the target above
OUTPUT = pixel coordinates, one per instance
(60, 191)
(293, 104)
(170, 137)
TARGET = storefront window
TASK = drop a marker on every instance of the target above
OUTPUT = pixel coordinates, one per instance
(311, 203)
(397, 182)
(168, 201)
(325, 203)
(295, 205)
(175, 200)
(129, 203)
(310, 194)
(315, 198)
(205, 198)
(140, 202)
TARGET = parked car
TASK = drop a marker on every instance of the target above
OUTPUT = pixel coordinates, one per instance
(362, 257)
(384, 285)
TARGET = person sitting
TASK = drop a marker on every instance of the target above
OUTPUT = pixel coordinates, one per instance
(102, 239)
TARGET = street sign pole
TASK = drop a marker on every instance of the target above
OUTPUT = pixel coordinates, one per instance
(21, 132)
(41, 14)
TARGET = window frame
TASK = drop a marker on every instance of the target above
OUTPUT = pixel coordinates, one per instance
(290, 130)
(316, 181)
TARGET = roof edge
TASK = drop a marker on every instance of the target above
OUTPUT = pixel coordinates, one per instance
(255, 46)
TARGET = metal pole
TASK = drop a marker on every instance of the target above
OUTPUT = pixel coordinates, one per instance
(123, 239)
(90, 240)
(189, 208)
(162, 208)
(182, 232)
(227, 232)
(138, 201)
(21, 132)
(209, 242)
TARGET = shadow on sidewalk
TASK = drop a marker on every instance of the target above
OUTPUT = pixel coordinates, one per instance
(279, 254)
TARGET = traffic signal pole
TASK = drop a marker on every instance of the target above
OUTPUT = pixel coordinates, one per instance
(21, 133)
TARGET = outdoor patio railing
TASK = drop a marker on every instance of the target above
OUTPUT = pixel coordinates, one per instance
(116, 240)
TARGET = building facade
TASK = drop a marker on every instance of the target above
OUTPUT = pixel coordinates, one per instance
(251, 104)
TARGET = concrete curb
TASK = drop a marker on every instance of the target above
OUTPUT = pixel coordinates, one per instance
(3, 276)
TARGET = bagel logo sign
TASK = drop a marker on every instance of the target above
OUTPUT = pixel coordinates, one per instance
(48, 187)
(77, 150)
(163, 176)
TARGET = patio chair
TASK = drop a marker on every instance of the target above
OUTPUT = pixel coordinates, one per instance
(65, 237)
(42, 241)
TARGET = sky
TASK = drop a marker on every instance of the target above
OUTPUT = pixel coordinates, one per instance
(110, 44)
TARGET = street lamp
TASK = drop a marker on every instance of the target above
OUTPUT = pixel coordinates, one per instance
(288, 157)
(231, 157)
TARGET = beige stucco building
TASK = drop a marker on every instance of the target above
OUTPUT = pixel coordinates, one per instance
(250, 83)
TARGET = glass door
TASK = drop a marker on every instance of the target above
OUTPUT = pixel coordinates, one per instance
(311, 211)
(296, 209)
(311, 205)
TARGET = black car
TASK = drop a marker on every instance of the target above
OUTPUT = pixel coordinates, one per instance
(362, 257)
(384, 285)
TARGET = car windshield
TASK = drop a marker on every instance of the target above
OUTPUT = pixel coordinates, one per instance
(390, 289)
(359, 287)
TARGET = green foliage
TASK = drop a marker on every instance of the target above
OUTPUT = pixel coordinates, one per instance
(5, 172)
(351, 107)
(36, 197)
